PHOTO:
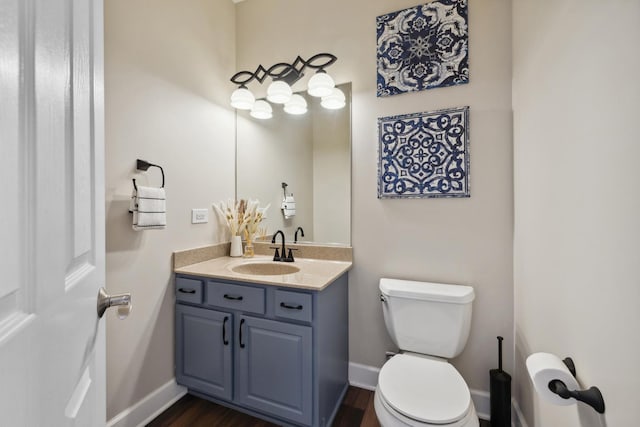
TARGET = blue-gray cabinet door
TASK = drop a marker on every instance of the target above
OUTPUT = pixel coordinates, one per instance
(203, 350)
(275, 373)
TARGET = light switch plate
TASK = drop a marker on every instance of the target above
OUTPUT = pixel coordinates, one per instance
(199, 216)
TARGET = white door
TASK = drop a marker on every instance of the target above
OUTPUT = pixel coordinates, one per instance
(52, 344)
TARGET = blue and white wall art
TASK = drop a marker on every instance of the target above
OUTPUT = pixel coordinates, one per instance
(424, 154)
(423, 47)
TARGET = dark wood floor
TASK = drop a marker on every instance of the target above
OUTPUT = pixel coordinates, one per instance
(190, 411)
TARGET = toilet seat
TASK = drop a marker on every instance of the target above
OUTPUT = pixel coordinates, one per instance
(427, 390)
(389, 417)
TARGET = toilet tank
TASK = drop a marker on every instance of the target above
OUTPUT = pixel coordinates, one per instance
(427, 318)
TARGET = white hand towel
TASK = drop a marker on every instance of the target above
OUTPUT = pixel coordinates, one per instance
(289, 207)
(149, 210)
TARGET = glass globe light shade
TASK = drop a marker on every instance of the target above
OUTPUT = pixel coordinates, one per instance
(334, 101)
(320, 84)
(242, 99)
(279, 92)
(261, 110)
(296, 105)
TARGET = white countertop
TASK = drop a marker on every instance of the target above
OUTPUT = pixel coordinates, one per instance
(314, 274)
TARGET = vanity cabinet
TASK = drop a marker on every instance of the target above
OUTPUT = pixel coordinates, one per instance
(204, 360)
(274, 352)
(274, 371)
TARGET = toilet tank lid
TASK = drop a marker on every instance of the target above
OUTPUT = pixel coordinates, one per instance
(455, 294)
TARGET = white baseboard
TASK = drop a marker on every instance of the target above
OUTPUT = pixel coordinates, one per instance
(363, 376)
(516, 415)
(366, 377)
(482, 402)
(150, 407)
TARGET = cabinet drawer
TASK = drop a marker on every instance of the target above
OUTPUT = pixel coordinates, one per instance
(293, 305)
(189, 290)
(236, 297)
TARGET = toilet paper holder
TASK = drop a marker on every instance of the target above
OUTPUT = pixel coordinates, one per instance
(591, 396)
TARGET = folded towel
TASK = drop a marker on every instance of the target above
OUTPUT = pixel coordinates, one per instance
(149, 208)
(289, 207)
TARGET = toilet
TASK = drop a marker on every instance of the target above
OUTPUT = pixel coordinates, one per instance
(430, 323)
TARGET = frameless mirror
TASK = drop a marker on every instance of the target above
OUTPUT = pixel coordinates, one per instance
(311, 154)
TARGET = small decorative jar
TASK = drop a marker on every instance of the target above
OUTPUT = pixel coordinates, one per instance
(248, 246)
(236, 246)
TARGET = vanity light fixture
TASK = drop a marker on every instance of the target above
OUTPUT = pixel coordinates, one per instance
(296, 105)
(283, 76)
(261, 110)
(242, 98)
(334, 100)
(320, 84)
(279, 92)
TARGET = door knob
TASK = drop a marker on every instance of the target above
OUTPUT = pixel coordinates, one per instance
(122, 301)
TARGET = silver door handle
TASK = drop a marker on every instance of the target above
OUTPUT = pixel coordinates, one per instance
(122, 301)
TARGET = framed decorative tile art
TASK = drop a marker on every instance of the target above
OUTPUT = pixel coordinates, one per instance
(424, 154)
(423, 47)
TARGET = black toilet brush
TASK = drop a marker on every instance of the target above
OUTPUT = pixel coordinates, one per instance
(500, 389)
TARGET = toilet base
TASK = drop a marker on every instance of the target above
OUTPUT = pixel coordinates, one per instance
(389, 417)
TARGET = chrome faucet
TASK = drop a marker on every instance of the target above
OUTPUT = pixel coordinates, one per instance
(282, 256)
(295, 236)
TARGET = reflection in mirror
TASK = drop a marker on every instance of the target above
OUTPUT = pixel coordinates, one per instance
(311, 153)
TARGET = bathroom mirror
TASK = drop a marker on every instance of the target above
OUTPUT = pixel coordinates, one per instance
(311, 153)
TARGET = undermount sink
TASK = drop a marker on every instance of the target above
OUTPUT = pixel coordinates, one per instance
(265, 268)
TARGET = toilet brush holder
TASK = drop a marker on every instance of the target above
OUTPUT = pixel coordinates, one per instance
(500, 393)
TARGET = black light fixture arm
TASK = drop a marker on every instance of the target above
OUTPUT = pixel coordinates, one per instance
(289, 73)
(592, 396)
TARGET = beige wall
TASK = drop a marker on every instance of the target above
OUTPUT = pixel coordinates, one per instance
(167, 64)
(576, 100)
(466, 241)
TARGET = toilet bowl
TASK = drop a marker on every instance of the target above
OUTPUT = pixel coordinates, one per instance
(429, 322)
(415, 390)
